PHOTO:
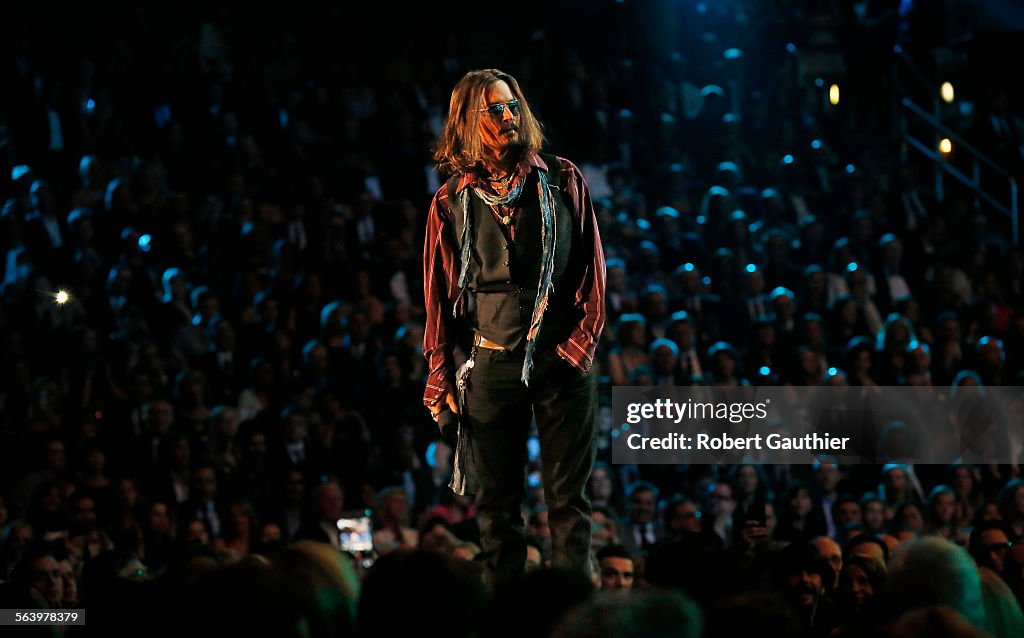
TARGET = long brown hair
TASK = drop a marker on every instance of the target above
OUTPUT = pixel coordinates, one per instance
(460, 148)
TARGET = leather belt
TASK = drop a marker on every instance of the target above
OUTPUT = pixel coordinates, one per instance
(484, 342)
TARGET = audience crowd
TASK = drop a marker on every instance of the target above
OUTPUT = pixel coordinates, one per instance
(234, 207)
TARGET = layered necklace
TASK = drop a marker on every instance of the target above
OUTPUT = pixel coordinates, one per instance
(501, 184)
(506, 193)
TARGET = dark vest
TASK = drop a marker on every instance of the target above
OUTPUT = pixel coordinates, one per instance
(504, 275)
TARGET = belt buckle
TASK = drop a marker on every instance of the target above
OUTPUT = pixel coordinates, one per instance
(484, 342)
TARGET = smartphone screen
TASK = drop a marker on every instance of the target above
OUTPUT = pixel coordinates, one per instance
(355, 534)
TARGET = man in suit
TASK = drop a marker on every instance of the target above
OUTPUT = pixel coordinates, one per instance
(219, 363)
(46, 233)
(295, 450)
(321, 525)
(680, 330)
(693, 297)
(642, 527)
(203, 504)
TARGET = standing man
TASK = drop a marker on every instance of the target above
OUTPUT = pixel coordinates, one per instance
(513, 250)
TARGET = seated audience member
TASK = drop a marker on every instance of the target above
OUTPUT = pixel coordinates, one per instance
(428, 585)
(936, 621)
(737, 614)
(38, 570)
(805, 580)
(606, 528)
(616, 565)
(1003, 616)
(323, 576)
(652, 613)
(247, 597)
(932, 571)
(869, 546)
(989, 545)
(392, 530)
(546, 593)
(327, 501)
(830, 551)
(641, 525)
(681, 516)
(860, 591)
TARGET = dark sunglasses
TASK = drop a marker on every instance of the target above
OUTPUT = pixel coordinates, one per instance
(998, 547)
(498, 108)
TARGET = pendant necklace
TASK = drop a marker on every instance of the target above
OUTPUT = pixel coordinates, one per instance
(501, 185)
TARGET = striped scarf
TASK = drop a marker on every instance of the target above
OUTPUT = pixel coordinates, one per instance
(547, 235)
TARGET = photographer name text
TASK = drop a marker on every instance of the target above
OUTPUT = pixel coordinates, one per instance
(705, 441)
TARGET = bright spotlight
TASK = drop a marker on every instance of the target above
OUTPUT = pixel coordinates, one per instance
(947, 92)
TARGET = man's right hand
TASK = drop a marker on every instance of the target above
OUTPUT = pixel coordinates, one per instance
(446, 415)
(446, 402)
